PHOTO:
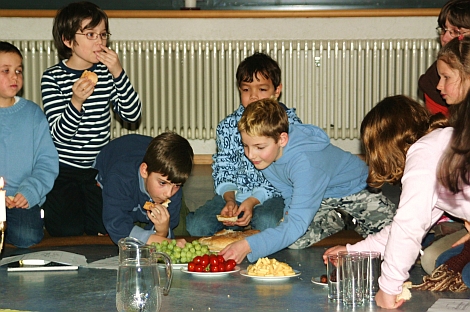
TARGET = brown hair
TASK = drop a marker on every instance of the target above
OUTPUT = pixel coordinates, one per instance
(457, 12)
(455, 163)
(170, 155)
(68, 21)
(259, 64)
(264, 118)
(388, 131)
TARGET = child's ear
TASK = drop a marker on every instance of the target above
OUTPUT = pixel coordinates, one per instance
(283, 139)
(68, 43)
(143, 170)
(277, 93)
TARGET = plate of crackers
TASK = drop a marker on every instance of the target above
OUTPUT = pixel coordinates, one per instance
(269, 270)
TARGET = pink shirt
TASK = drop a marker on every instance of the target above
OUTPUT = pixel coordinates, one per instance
(422, 202)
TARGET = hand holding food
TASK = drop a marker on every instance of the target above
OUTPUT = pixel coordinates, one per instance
(90, 75)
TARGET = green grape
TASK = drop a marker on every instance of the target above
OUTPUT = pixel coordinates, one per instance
(195, 242)
(188, 245)
(164, 243)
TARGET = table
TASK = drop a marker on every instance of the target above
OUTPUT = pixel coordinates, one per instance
(94, 289)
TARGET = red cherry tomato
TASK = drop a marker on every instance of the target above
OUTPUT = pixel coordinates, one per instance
(214, 268)
(191, 266)
(220, 258)
(197, 260)
(230, 265)
(204, 262)
(206, 256)
(198, 268)
(213, 261)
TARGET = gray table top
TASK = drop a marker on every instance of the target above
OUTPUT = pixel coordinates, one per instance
(95, 290)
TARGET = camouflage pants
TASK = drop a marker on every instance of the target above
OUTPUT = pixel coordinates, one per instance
(371, 211)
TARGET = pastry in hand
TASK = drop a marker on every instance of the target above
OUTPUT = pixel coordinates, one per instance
(90, 75)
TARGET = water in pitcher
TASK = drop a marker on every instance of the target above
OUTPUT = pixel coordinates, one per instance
(138, 288)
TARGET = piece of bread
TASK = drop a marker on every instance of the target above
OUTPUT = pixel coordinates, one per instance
(226, 219)
(149, 205)
(405, 292)
(90, 75)
(221, 239)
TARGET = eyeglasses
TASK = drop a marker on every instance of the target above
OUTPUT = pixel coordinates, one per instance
(452, 32)
(94, 36)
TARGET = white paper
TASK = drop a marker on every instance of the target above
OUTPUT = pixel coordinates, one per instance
(3, 212)
(442, 305)
(111, 263)
(50, 255)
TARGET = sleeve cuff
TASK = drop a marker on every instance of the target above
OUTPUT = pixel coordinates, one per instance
(225, 187)
(141, 234)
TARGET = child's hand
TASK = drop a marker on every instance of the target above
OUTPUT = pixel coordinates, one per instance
(82, 89)
(247, 208)
(387, 301)
(466, 237)
(160, 217)
(332, 251)
(18, 201)
(236, 251)
(230, 209)
(109, 58)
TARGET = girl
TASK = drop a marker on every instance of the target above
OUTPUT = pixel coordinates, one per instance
(78, 112)
(433, 173)
(453, 20)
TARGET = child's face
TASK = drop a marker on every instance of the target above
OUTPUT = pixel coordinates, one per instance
(83, 49)
(263, 151)
(11, 77)
(260, 88)
(454, 30)
(158, 186)
(453, 89)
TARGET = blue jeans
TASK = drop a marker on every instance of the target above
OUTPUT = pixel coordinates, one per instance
(446, 255)
(24, 227)
(203, 221)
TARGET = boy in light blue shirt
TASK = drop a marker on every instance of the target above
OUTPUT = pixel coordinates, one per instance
(314, 178)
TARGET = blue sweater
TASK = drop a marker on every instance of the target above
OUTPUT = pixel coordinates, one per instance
(124, 194)
(231, 170)
(29, 162)
(79, 136)
(309, 170)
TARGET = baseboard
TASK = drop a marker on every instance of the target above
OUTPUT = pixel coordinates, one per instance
(204, 159)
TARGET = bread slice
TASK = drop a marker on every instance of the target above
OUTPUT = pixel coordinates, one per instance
(90, 75)
(405, 292)
(221, 239)
(149, 205)
(227, 219)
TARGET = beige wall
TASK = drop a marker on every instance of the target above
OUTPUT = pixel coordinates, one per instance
(241, 28)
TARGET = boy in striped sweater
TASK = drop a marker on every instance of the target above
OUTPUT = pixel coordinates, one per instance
(77, 109)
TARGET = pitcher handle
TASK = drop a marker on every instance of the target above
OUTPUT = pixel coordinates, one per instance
(168, 270)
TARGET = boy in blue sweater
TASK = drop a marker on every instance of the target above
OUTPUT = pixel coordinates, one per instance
(314, 178)
(242, 190)
(29, 162)
(134, 169)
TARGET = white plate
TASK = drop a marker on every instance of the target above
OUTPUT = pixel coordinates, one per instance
(316, 280)
(175, 265)
(269, 278)
(210, 274)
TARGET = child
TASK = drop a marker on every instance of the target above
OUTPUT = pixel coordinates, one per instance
(134, 169)
(29, 162)
(241, 190)
(453, 20)
(314, 178)
(79, 117)
(434, 178)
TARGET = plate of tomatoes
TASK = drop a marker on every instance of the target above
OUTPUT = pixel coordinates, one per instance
(211, 265)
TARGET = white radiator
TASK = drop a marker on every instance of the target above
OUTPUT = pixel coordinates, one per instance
(189, 86)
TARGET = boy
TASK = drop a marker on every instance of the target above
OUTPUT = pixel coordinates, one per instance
(29, 162)
(314, 178)
(134, 169)
(241, 190)
(77, 109)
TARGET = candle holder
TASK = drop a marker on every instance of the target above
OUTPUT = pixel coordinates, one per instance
(3, 227)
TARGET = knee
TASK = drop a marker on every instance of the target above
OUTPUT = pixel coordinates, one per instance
(200, 226)
(24, 237)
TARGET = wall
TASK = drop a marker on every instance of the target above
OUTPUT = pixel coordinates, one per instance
(15, 28)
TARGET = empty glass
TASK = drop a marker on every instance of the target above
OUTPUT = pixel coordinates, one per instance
(371, 271)
(352, 282)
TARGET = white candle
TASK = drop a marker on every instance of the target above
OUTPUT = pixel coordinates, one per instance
(3, 213)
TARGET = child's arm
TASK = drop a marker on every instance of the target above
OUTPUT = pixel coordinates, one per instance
(110, 58)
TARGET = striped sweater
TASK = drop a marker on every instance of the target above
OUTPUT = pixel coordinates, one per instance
(79, 136)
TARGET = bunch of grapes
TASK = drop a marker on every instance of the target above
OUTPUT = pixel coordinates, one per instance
(181, 255)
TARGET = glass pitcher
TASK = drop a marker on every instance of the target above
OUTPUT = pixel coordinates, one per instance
(138, 280)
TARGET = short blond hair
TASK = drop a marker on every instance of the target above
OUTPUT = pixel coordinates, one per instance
(265, 117)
